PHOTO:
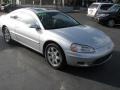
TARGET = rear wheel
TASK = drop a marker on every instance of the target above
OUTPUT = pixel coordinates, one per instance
(111, 23)
(6, 35)
(55, 56)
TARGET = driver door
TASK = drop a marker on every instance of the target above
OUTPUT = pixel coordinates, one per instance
(24, 33)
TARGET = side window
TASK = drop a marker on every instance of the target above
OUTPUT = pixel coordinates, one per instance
(105, 6)
(26, 18)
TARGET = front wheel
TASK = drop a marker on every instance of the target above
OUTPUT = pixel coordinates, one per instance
(55, 56)
(6, 35)
(111, 23)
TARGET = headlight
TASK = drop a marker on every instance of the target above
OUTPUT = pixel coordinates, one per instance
(102, 15)
(82, 48)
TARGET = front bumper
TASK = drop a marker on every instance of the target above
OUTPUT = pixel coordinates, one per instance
(89, 15)
(92, 59)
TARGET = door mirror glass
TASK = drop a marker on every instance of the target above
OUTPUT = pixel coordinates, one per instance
(37, 27)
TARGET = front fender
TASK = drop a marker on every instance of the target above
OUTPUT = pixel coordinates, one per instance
(49, 36)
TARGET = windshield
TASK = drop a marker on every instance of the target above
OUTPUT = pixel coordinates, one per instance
(56, 20)
(114, 8)
(105, 6)
(94, 6)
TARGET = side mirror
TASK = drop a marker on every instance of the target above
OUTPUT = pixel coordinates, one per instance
(14, 17)
(37, 27)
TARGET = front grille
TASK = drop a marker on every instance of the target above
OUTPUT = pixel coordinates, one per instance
(101, 60)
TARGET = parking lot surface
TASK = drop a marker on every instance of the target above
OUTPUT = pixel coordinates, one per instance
(24, 69)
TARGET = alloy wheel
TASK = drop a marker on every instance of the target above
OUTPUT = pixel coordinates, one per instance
(111, 23)
(54, 56)
(7, 36)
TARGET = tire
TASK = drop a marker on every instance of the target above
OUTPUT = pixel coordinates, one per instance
(111, 23)
(55, 56)
(6, 35)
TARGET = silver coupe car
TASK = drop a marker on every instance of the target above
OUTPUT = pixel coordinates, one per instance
(60, 38)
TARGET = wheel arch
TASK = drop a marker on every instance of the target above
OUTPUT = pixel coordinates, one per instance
(50, 41)
(3, 27)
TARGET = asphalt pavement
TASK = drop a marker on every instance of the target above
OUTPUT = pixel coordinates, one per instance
(24, 69)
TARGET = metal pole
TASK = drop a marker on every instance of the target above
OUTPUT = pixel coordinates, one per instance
(11, 1)
(56, 3)
(82, 3)
(63, 3)
(40, 2)
(33, 2)
(1, 1)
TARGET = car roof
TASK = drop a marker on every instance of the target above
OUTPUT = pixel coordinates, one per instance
(116, 4)
(41, 10)
(34, 10)
(102, 3)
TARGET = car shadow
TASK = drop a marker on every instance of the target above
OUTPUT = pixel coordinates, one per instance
(117, 27)
(108, 73)
(14, 44)
(3, 44)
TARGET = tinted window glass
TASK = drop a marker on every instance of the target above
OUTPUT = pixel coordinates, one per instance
(55, 20)
(94, 6)
(114, 8)
(105, 6)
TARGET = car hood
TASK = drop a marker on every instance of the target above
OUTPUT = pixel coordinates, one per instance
(85, 35)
